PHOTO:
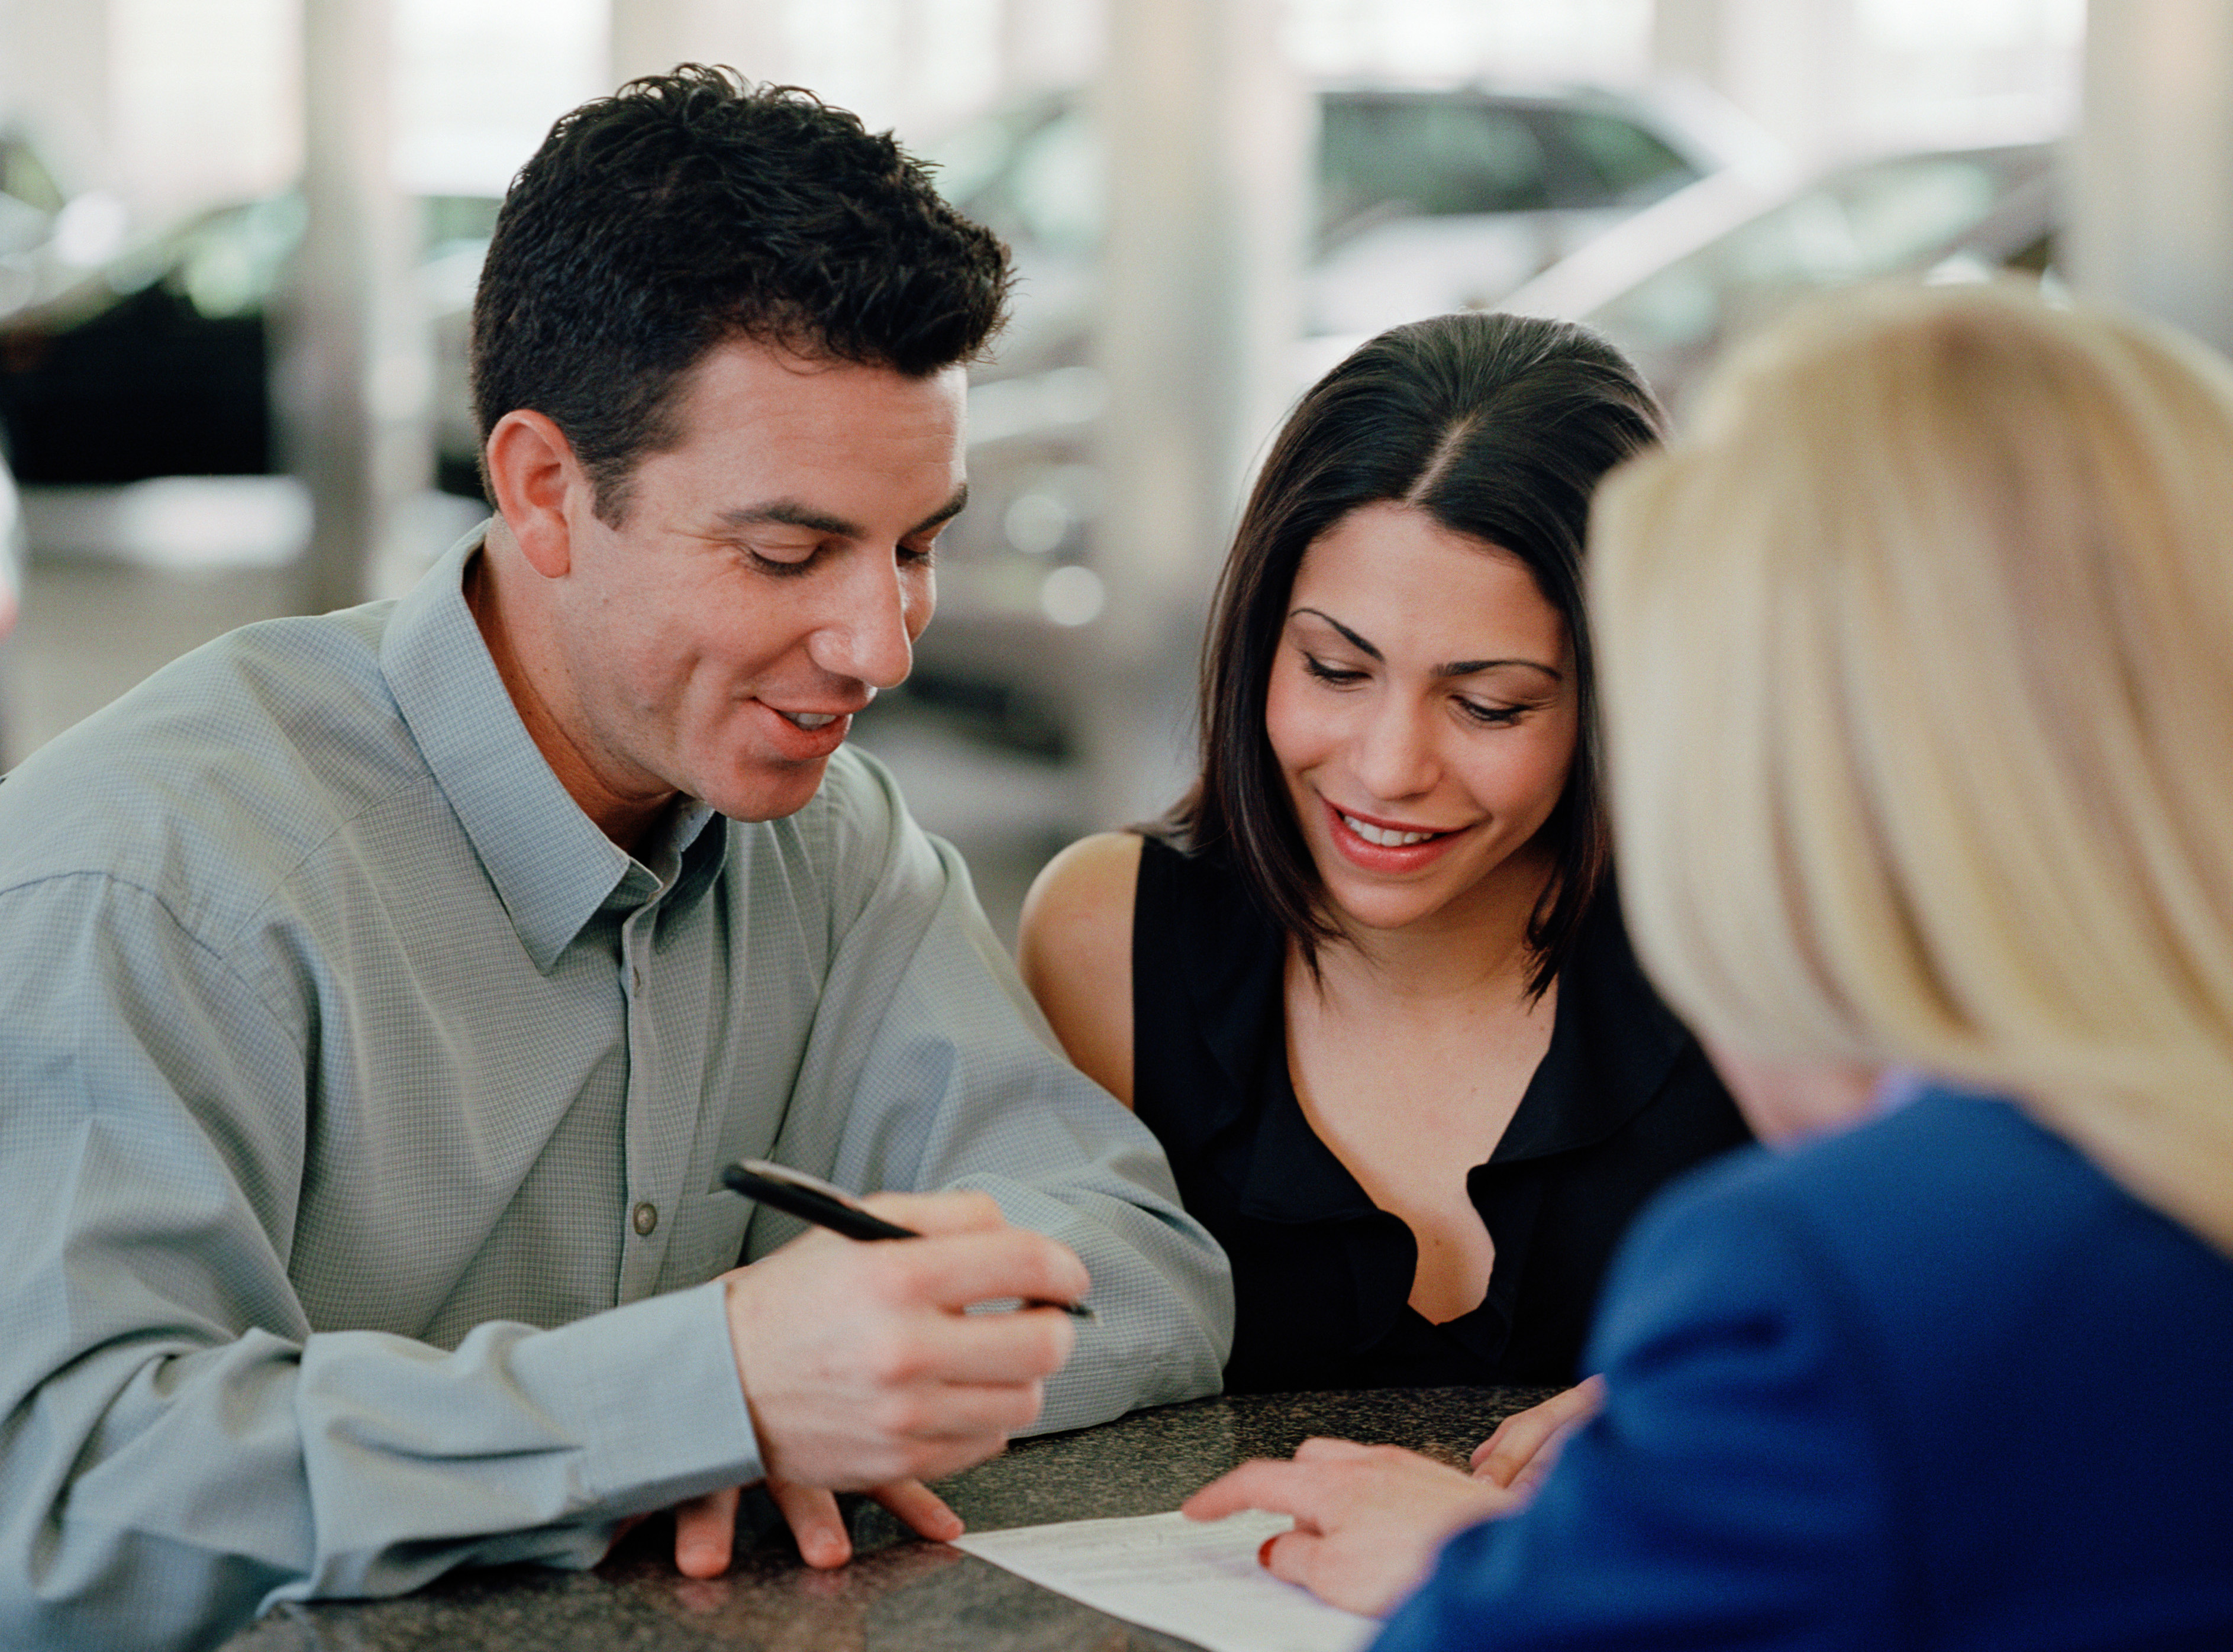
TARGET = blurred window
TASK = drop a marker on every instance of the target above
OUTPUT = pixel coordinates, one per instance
(1056, 183)
(1871, 221)
(230, 263)
(1426, 155)
(23, 175)
(1628, 166)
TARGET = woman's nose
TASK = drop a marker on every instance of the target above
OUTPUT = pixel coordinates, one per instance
(1395, 756)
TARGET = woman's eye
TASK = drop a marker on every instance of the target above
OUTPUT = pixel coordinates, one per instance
(1338, 675)
(1492, 716)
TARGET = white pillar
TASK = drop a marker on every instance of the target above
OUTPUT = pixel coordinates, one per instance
(2150, 187)
(651, 36)
(54, 66)
(1208, 138)
(354, 376)
(1787, 63)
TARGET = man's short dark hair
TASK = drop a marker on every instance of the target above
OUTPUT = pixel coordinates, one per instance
(693, 208)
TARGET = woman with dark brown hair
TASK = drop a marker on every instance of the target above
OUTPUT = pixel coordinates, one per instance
(1368, 984)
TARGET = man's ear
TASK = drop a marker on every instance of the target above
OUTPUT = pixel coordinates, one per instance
(539, 485)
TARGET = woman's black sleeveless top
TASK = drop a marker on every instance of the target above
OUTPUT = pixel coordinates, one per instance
(1623, 1099)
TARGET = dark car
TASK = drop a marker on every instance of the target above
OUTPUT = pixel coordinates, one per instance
(158, 361)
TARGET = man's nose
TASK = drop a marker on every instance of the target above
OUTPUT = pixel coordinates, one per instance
(869, 635)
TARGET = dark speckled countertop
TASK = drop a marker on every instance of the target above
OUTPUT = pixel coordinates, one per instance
(900, 1594)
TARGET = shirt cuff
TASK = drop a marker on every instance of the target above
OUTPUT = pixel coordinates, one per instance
(657, 1404)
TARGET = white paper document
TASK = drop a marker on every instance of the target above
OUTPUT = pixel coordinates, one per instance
(1185, 1577)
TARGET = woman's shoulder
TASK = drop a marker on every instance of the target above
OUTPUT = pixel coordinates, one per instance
(1074, 950)
(1083, 893)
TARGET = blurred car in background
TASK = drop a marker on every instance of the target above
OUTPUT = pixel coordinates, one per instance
(156, 361)
(1425, 200)
(1676, 285)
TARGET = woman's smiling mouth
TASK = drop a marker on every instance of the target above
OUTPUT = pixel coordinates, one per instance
(1387, 837)
(1375, 845)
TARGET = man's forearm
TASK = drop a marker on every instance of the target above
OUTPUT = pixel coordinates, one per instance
(162, 1499)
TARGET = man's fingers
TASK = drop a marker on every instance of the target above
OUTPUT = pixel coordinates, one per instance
(812, 1515)
(706, 1533)
(964, 1211)
(960, 1412)
(955, 1269)
(1010, 1348)
(921, 1509)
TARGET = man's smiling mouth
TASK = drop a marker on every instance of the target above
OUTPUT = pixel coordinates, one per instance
(808, 719)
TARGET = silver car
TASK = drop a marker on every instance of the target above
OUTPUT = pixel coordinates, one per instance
(1676, 284)
(1426, 200)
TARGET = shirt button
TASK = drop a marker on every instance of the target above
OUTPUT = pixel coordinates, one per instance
(646, 1217)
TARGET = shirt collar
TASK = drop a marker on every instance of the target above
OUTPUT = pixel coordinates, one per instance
(551, 865)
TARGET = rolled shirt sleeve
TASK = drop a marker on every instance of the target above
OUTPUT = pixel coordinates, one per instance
(364, 1113)
(181, 1446)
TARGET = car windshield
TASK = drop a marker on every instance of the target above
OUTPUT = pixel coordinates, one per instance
(1869, 221)
(1033, 173)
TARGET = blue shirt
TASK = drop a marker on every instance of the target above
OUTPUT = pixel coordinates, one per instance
(364, 1106)
(1935, 1383)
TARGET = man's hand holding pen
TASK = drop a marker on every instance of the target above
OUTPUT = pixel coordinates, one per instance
(863, 1371)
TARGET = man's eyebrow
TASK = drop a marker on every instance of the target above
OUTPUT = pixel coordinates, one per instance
(944, 514)
(1455, 668)
(790, 513)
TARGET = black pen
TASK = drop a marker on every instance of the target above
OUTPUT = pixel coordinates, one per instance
(812, 1199)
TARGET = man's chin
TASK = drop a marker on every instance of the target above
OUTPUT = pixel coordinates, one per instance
(765, 790)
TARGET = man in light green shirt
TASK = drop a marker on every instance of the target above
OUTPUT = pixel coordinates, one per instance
(381, 994)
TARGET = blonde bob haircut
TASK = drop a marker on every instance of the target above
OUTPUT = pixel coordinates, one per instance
(1918, 666)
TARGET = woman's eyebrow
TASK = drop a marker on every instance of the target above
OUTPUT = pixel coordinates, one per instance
(1354, 641)
(1455, 668)
(1467, 667)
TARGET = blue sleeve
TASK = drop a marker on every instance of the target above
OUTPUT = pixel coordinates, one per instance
(1734, 1493)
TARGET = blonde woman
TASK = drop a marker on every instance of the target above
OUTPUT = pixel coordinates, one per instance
(1919, 674)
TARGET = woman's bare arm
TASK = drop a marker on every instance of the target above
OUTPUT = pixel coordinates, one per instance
(1074, 947)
